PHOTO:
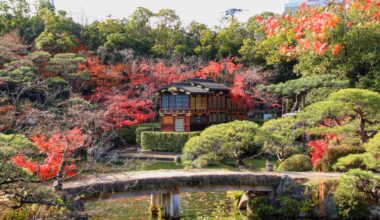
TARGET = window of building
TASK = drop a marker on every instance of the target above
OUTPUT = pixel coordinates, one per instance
(172, 102)
(204, 103)
(175, 102)
(165, 102)
(192, 102)
(222, 102)
(198, 102)
(182, 102)
(229, 104)
(214, 102)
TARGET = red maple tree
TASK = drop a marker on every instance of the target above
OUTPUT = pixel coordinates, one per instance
(57, 150)
(319, 148)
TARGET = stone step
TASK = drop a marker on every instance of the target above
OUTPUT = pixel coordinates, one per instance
(149, 155)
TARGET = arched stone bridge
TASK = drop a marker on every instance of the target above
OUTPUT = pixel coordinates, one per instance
(162, 181)
(165, 185)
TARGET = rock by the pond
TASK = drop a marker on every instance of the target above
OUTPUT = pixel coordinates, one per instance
(244, 200)
(285, 183)
(375, 212)
(298, 192)
(330, 207)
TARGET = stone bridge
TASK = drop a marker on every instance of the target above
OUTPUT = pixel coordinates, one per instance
(165, 185)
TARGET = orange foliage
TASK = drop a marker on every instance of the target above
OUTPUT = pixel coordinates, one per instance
(54, 148)
(108, 76)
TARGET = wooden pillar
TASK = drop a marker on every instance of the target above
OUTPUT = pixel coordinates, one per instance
(171, 206)
(175, 206)
(165, 204)
(155, 204)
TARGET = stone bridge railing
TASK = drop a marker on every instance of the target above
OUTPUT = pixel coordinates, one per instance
(165, 185)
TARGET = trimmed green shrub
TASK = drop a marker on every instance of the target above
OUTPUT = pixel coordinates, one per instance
(165, 141)
(373, 149)
(353, 161)
(142, 129)
(297, 162)
(334, 153)
(235, 141)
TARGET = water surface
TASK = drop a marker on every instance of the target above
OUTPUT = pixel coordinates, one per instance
(200, 205)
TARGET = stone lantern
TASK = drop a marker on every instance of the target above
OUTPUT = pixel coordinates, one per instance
(269, 166)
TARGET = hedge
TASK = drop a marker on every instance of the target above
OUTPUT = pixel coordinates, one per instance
(165, 141)
(128, 133)
(140, 130)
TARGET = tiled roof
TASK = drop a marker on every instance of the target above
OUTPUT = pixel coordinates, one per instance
(196, 86)
(210, 84)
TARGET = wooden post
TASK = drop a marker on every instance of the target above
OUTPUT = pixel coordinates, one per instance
(171, 205)
(155, 204)
(175, 206)
(165, 204)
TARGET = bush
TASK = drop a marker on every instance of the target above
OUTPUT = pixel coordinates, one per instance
(165, 141)
(373, 149)
(128, 133)
(11, 144)
(351, 202)
(297, 162)
(334, 153)
(230, 141)
(142, 129)
(352, 161)
(58, 86)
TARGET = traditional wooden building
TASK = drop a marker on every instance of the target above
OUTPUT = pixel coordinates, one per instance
(197, 103)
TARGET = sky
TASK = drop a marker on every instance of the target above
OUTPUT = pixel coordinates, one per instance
(204, 11)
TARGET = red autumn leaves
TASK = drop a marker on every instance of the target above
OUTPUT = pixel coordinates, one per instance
(56, 148)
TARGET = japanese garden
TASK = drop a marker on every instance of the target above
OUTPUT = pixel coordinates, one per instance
(151, 117)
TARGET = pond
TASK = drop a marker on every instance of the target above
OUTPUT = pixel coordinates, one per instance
(201, 205)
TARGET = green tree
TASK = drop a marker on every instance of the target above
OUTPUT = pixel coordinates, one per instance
(373, 148)
(60, 32)
(255, 34)
(238, 141)
(352, 112)
(202, 39)
(13, 13)
(139, 31)
(64, 64)
(299, 88)
(281, 135)
(169, 36)
(368, 160)
(230, 39)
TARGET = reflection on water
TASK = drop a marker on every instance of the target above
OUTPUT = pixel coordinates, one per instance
(210, 205)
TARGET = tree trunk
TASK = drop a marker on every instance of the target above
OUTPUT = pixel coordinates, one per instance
(58, 182)
(239, 162)
(296, 103)
(362, 133)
